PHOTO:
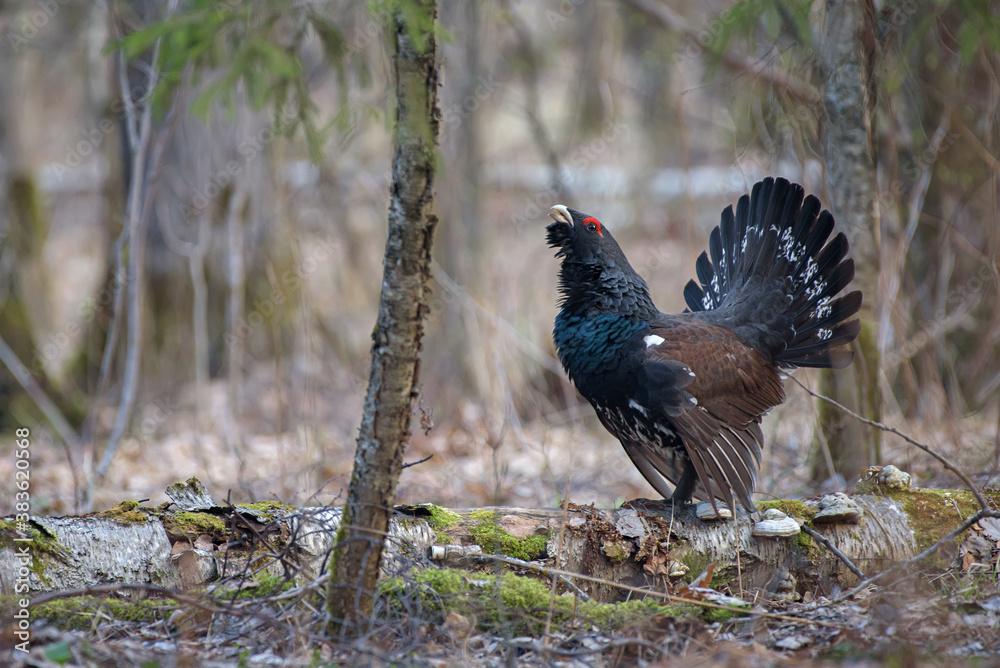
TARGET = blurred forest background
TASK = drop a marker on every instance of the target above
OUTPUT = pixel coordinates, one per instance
(219, 326)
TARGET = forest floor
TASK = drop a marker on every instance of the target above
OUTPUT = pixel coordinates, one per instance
(947, 620)
(922, 618)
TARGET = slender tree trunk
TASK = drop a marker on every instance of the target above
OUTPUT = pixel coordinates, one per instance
(396, 340)
(847, 55)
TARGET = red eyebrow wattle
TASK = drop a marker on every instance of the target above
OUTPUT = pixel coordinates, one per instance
(591, 219)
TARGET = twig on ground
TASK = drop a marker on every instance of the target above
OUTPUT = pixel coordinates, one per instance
(823, 540)
(562, 533)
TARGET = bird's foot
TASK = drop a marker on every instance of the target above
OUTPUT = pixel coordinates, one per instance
(653, 504)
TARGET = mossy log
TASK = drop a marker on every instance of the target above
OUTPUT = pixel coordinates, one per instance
(193, 542)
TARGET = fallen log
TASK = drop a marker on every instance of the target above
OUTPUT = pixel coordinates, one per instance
(193, 542)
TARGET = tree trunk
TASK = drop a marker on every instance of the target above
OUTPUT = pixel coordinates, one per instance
(396, 341)
(846, 54)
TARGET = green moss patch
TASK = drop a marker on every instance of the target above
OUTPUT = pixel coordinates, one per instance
(514, 599)
(81, 613)
(40, 542)
(934, 512)
(261, 587)
(492, 539)
(442, 518)
(126, 512)
(268, 510)
(185, 523)
(791, 507)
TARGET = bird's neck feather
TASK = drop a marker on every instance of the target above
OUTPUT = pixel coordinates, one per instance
(588, 288)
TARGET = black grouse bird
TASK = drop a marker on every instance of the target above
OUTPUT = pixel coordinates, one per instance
(685, 393)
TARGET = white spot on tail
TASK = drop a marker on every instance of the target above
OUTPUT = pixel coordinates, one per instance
(653, 340)
(815, 289)
(635, 405)
(824, 333)
(811, 269)
(823, 309)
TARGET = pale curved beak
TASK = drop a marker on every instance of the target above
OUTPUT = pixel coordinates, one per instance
(560, 214)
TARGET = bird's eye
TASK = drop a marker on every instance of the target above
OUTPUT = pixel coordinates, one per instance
(593, 225)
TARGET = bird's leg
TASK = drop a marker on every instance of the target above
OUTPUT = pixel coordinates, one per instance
(685, 486)
(680, 498)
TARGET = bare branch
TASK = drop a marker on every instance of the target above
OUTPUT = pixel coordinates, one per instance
(533, 106)
(38, 395)
(823, 540)
(137, 213)
(442, 278)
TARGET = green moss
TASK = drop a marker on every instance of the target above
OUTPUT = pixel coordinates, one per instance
(696, 563)
(806, 544)
(441, 518)
(791, 507)
(271, 510)
(934, 512)
(186, 523)
(261, 586)
(40, 541)
(615, 552)
(443, 581)
(182, 489)
(492, 539)
(514, 599)
(81, 612)
(126, 512)
(712, 615)
(264, 506)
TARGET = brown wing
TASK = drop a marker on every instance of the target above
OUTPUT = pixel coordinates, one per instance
(732, 386)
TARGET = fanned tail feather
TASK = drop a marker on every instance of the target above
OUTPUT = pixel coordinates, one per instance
(774, 275)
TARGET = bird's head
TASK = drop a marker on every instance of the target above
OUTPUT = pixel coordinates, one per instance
(594, 268)
(582, 239)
